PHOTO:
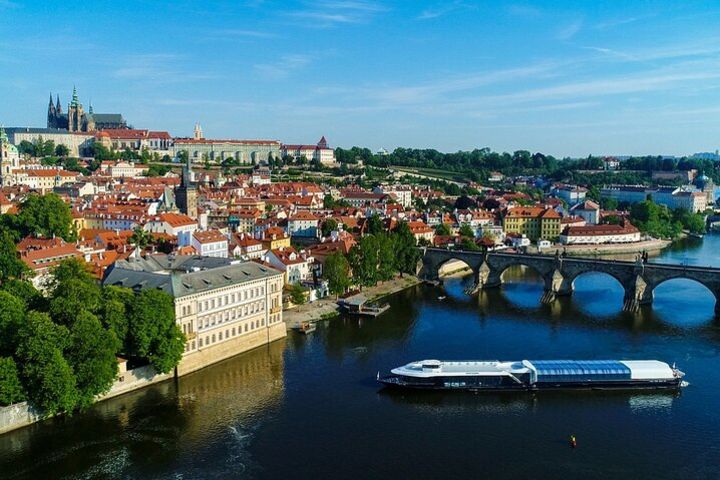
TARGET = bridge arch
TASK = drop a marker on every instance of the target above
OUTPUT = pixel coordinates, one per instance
(684, 297)
(604, 297)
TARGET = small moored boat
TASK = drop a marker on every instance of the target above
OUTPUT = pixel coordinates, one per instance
(306, 327)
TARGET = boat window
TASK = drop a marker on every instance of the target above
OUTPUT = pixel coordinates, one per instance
(431, 366)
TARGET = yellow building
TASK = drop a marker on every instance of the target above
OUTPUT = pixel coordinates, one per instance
(275, 238)
(533, 222)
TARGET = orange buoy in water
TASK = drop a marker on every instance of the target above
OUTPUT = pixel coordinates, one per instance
(573, 441)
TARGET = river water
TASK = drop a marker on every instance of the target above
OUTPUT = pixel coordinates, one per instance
(308, 407)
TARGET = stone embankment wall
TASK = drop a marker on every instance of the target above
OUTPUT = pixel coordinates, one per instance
(21, 414)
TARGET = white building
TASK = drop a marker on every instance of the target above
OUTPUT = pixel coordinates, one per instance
(245, 246)
(210, 243)
(588, 210)
(624, 232)
(43, 179)
(304, 224)
(401, 193)
(571, 194)
(296, 266)
(319, 152)
(176, 224)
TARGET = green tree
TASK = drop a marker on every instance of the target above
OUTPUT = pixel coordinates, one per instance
(336, 271)
(46, 148)
(153, 332)
(91, 354)
(469, 244)
(26, 148)
(114, 308)
(12, 317)
(72, 291)
(364, 261)
(11, 390)
(10, 264)
(62, 151)
(407, 254)
(45, 215)
(442, 229)
(466, 231)
(25, 292)
(140, 238)
(609, 204)
(48, 378)
(297, 294)
(375, 225)
(385, 245)
(329, 226)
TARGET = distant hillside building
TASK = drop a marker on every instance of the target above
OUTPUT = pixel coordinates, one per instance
(200, 149)
(77, 120)
(320, 152)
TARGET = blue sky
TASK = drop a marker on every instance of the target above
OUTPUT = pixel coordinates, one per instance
(563, 77)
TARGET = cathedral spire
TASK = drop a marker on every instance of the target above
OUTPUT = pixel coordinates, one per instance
(58, 107)
(74, 97)
(51, 106)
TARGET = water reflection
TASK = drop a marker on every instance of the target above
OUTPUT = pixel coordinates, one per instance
(504, 403)
(164, 427)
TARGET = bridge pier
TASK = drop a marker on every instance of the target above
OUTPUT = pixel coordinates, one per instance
(637, 293)
(487, 277)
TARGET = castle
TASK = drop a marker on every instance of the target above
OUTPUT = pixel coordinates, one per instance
(77, 120)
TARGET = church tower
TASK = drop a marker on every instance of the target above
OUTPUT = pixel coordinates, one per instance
(76, 114)
(9, 159)
(186, 193)
(198, 133)
(51, 114)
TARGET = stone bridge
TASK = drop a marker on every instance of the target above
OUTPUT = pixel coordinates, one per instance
(638, 279)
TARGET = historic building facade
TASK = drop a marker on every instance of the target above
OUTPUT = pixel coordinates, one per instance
(200, 149)
(9, 159)
(224, 307)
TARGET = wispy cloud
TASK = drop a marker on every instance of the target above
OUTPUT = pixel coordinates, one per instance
(240, 33)
(431, 91)
(619, 22)
(709, 47)
(336, 12)
(568, 31)
(443, 9)
(284, 67)
(157, 68)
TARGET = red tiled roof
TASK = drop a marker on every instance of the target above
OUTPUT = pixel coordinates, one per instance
(209, 236)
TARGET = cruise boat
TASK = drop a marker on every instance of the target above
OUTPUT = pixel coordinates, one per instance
(535, 375)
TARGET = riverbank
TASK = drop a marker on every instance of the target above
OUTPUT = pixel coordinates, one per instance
(327, 307)
(651, 246)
